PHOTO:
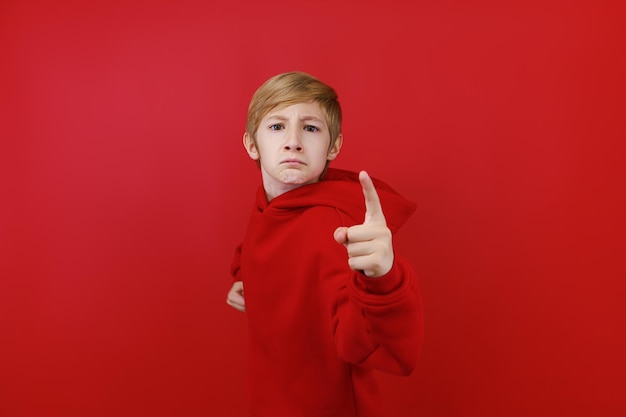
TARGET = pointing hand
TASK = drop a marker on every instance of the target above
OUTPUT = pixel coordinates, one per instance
(369, 244)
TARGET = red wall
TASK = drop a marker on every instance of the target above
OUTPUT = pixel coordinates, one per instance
(124, 189)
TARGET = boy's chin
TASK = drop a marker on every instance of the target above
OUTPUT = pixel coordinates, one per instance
(291, 179)
(297, 178)
(283, 182)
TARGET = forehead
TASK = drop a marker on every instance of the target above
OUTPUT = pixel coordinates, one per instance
(306, 110)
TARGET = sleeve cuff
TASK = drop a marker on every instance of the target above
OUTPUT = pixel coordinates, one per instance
(384, 285)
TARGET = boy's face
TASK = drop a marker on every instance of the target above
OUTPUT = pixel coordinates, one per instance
(292, 147)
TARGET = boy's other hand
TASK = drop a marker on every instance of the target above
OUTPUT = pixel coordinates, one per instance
(369, 244)
(235, 297)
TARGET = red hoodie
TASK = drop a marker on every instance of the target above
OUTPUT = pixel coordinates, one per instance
(318, 330)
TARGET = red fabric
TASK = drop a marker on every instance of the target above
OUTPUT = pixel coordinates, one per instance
(317, 329)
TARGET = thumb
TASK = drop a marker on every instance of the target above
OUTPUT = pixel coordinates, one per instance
(341, 235)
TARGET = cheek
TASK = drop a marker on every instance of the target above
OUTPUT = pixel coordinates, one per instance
(262, 150)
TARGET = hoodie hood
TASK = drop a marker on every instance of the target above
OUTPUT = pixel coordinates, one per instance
(341, 190)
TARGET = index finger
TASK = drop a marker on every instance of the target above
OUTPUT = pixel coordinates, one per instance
(373, 209)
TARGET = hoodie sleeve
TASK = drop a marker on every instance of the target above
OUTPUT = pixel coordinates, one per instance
(378, 321)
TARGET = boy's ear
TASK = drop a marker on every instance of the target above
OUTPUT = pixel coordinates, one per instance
(250, 146)
(334, 150)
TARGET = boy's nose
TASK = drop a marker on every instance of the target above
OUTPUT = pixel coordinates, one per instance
(293, 142)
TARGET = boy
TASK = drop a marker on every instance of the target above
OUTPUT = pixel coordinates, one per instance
(327, 300)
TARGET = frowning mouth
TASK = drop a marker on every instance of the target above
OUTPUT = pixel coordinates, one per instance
(292, 161)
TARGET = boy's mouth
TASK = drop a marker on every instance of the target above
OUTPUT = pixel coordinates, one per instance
(292, 161)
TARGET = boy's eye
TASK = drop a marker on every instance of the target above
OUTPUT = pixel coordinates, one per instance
(310, 128)
(276, 126)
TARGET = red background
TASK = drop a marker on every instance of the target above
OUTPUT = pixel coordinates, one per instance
(125, 188)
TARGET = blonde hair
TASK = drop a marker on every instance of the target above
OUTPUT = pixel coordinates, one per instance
(292, 88)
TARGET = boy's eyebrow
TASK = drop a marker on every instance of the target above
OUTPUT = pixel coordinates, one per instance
(312, 118)
(304, 118)
(275, 116)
